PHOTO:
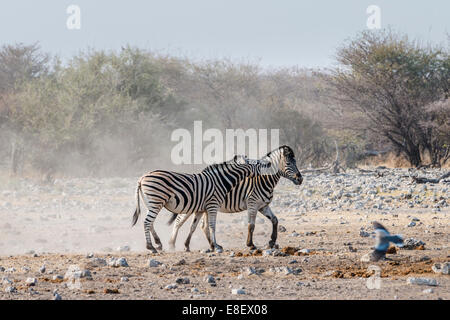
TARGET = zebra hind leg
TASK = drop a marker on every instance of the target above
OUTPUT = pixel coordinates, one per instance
(180, 220)
(212, 214)
(148, 227)
(194, 224)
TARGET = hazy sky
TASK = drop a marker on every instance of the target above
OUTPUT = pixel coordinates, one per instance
(278, 33)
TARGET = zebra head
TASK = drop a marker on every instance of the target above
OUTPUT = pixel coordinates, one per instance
(283, 159)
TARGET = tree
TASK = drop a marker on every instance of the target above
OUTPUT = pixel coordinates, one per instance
(391, 80)
(19, 63)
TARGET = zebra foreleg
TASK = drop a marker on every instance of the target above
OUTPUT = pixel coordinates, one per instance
(205, 228)
(212, 214)
(194, 224)
(267, 212)
(251, 227)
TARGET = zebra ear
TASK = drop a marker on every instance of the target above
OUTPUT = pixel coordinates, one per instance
(235, 158)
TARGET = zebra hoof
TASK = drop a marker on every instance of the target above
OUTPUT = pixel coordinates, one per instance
(187, 249)
(152, 249)
(159, 247)
(272, 245)
(219, 249)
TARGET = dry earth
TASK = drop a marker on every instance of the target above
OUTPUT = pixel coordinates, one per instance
(76, 226)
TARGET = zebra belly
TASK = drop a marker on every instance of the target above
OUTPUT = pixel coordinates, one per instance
(171, 205)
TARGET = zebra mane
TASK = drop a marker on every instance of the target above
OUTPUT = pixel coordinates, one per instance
(275, 156)
(214, 166)
(288, 152)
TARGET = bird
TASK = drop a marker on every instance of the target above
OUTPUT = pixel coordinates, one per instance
(383, 238)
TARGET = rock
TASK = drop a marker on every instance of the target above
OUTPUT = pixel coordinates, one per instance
(413, 244)
(97, 262)
(42, 269)
(171, 286)
(250, 271)
(31, 282)
(442, 268)
(182, 281)
(210, 279)
(6, 281)
(364, 234)
(194, 290)
(58, 277)
(411, 224)
(237, 291)
(57, 296)
(422, 281)
(281, 228)
(2, 269)
(181, 262)
(10, 289)
(124, 279)
(304, 251)
(121, 262)
(152, 263)
(428, 291)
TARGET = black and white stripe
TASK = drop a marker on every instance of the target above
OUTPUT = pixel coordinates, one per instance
(182, 193)
(252, 194)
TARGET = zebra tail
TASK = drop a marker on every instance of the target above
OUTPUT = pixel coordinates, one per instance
(137, 212)
(172, 219)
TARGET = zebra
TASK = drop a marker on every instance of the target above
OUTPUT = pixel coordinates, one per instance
(254, 194)
(183, 193)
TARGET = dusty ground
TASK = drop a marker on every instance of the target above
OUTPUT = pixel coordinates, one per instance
(59, 225)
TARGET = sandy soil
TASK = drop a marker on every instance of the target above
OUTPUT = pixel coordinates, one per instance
(68, 225)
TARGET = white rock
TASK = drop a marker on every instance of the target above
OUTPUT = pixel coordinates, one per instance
(31, 281)
(171, 286)
(422, 281)
(237, 291)
(121, 262)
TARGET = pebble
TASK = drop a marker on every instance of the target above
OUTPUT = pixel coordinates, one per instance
(121, 262)
(42, 269)
(31, 281)
(237, 291)
(152, 263)
(171, 286)
(10, 289)
(181, 262)
(442, 268)
(124, 279)
(57, 296)
(210, 279)
(411, 243)
(422, 281)
(183, 281)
